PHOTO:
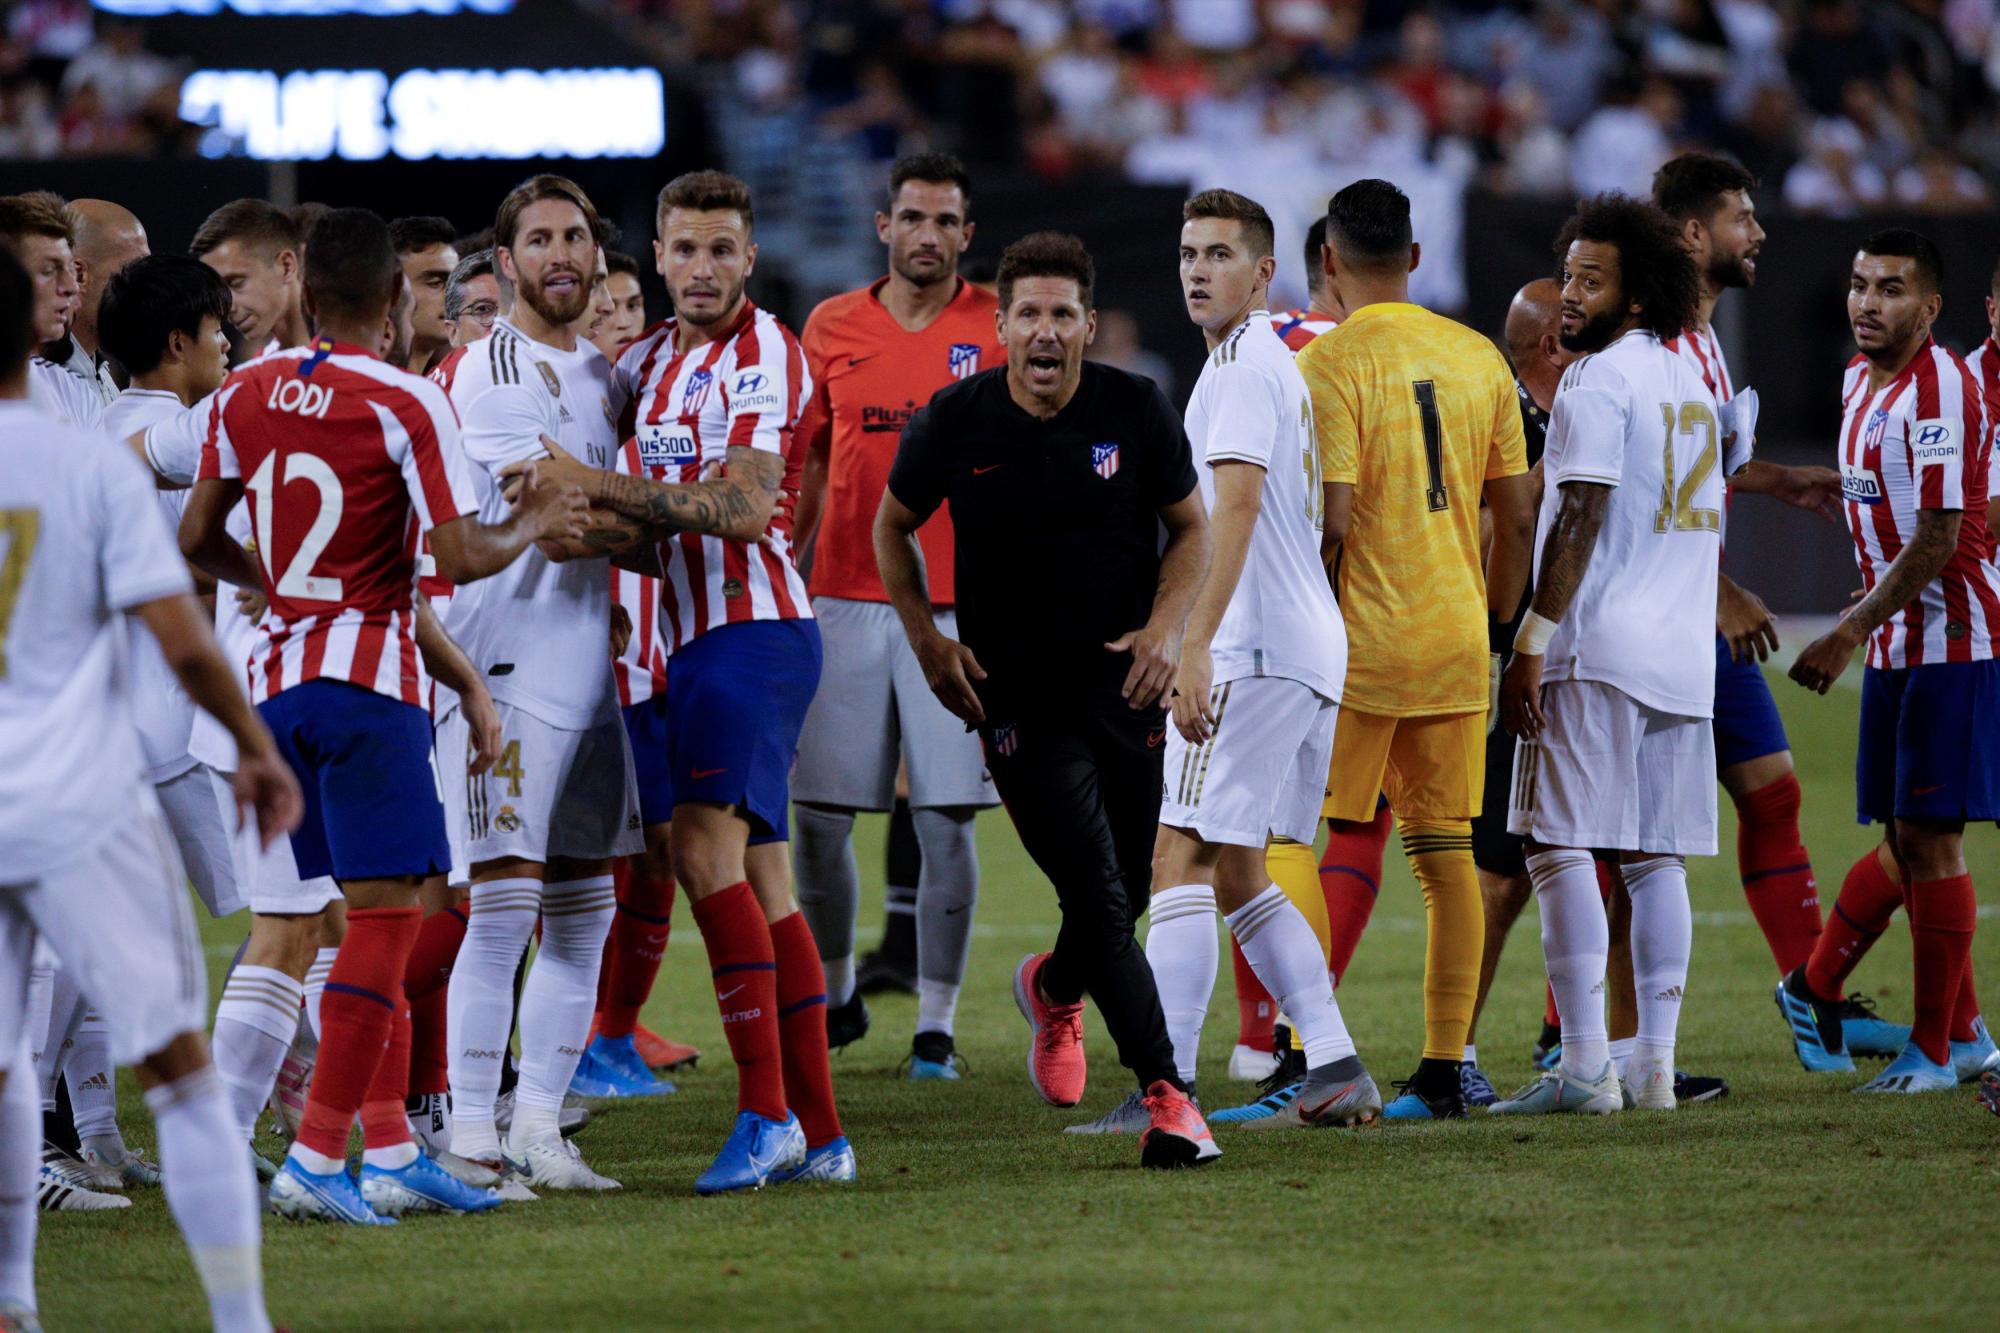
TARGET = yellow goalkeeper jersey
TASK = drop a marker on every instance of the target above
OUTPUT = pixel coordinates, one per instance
(1417, 412)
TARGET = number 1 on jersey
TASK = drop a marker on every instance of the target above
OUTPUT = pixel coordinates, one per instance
(19, 530)
(1427, 406)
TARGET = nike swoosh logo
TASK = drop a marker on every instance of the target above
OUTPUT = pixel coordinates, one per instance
(1926, 791)
(699, 773)
(953, 911)
(1155, 739)
(982, 471)
(726, 994)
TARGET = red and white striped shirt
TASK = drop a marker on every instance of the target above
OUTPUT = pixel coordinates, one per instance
(1922, 441)
(337, 451)
(1299, 327)
(1703, 354)
(642, 669)
(745, 389)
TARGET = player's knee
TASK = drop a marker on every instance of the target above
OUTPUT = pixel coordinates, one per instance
(1774, 803)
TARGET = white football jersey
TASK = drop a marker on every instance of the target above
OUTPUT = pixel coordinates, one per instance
(81, 540)
(1634, 417)
(540, 632)
(160, 706)
(62, 395)
(1251, 405)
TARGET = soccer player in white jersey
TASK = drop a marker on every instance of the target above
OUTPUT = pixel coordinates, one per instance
(40, 231)
(547, 820)
(257, 248)
(1916, 453)
(82, 540)
(1258, 685)
(724, 383)
(1613, 677)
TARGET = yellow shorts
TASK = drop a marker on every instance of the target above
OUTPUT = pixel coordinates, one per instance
(1428, 767)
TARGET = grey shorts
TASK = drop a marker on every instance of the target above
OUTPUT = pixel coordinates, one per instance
(873, 708)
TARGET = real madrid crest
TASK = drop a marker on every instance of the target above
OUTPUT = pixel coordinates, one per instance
(549, 378)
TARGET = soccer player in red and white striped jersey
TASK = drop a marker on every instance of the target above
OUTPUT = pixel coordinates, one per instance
(1915, 451)
(719, 390)
(336, 450)
(1984, 363)
(1298, 327)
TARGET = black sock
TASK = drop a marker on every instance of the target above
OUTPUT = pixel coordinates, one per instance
(1435, 1078)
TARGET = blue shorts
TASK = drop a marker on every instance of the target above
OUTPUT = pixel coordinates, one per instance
(646, 727)
(1747, 725)
(736, 702)
(1930, 743)
(365, 763)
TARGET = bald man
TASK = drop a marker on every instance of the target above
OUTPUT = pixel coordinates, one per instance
(108, 237)
(1534, 319)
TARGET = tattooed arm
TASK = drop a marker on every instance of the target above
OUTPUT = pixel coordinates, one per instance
(1565, 557)
(735, 502)
(1915, 566)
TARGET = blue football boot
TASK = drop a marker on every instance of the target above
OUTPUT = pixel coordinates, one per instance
(1867, 1033)
(1970, 1059)
(617, 1064)
(1279, 1089)
(1548, 1052)
(421, 1187)
(1438, 1104)
(755, 1150)
(1912, 1072)
(1473, 1086)
(830, 1161)
(1817, 1032)
(311, 1197)
(933, 1058)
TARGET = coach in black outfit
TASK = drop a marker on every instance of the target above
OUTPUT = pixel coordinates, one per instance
(1059, 475)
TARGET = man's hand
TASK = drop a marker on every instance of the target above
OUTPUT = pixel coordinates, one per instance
(553, 510)
(482, 723)
(1194, 680)
(621, 631)
(266, 791)
(1155, 655)
(1493, 661)
(1816, 489)
(1825, 658)
(251, 603)
(1746, 622)
(560, 467)
(949, 669)
(1521, 696)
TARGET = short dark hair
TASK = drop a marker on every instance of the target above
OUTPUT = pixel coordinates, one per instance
(255, 222)
(351, 263)
(421, 233)
(1046, 254)
(1315, 242)
(932, 169)
(153, 297)
(474, 240)
(36, 213)
(17, 331)
(703, 191)
(507, 223)
(478, 264)
(1258, 233)
(305, 214)
(1903, 243)
(1369, 225)
(1692, 185)
(617, 261)
(1654, 268)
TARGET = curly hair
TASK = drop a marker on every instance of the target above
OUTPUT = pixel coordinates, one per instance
(1654, 270)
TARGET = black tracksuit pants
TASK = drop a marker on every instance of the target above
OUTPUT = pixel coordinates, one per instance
(1082, 780)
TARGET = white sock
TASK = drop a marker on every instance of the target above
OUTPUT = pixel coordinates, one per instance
(1662, 940)
(254, 1027)
(316, 975)
(65, 1016)
(937, 1005)
(212, 1193)
(479, 1006)
(557, 1002)
(315, 1161)
(1575, 941)
(392, 1158)
(1285, 955)
(1471, 1055)
(839, 979)
(1621, 1053)
(1181, 950)
(20, 1159)
(93, 1086)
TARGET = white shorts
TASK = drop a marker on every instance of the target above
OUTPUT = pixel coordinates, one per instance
(554, 793)
(451, 743)
(1262, 772)
(1610, 773)
(269, 875)
(118, 916)
(202, 834)
(873, 708)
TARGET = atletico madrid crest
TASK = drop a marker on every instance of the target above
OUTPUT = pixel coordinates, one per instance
(1104, 460)
(1878, 426)
(1005, 738)
(964, 360)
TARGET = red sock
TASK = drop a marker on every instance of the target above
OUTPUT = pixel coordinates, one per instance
(1869, 896)
(1777, 871)
(621, 879)
(741, 961)
(1966, 1011)
(1350, 875)
(427, 1050)
(383, 1121)
(1256, 1011)
(435, 951)
(1551, 1016)
(356, 1013)
(632, 950)
(802, 1027)
(1942, 914)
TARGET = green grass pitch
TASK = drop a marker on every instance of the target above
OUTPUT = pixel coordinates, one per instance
(1790, 1204)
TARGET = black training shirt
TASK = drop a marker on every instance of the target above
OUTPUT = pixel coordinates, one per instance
(1056, 522)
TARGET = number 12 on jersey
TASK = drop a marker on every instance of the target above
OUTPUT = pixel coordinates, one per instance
(1677, 509)
(298, 580)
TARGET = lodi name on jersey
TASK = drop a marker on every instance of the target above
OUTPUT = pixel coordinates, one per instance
(301, 397)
